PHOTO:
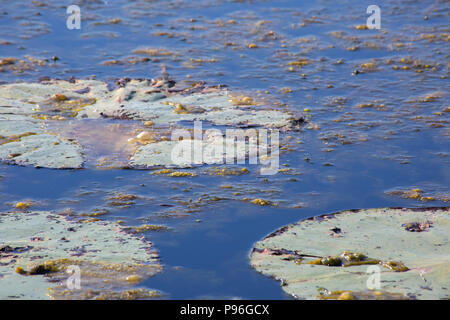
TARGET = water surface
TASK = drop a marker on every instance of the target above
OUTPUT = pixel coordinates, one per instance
(376, 102)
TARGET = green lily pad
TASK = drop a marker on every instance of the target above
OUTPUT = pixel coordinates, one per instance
(338, 253)
(38, 249)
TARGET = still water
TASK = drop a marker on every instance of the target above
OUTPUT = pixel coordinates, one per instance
(376, 104)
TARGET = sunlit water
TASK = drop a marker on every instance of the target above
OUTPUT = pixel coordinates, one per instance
(371, 128)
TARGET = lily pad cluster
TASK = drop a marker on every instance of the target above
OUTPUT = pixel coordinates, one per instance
(313, 263)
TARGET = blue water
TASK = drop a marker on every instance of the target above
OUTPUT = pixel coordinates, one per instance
(209, 259)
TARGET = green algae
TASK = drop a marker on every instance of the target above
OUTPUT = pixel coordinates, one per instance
(359, 295)
(139, 99)
(348, 259)
(212, 149)
(146, 228)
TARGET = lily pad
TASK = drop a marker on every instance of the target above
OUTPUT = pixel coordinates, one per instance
(138, 99)
(181, 153)
(34, 108)
(312, 261)
(39, 248)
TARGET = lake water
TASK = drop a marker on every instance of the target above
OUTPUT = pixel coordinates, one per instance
(376, 104)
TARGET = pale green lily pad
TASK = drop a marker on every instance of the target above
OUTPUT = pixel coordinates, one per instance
(189, 152)
(137, 100)
(33, 107)
(25, 142)
(107, 257)
(377, 233)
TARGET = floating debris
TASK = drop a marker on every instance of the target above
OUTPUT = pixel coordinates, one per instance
(37, 148)
(146, 228)
(419, 194)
